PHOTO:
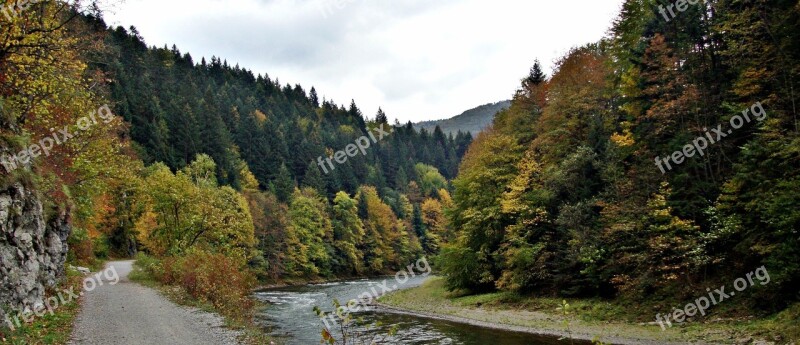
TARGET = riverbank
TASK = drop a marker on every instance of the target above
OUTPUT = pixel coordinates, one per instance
(587, 319)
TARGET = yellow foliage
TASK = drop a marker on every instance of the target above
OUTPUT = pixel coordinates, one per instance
(623, 140)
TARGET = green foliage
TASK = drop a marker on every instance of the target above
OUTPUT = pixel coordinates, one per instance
(757, 213)
(461, 266)
(486, 171)
(82, 247)
(430, 180)
(309, 235)
(178, 107)
(283, 186)
(562, 197)
(348, 234)
(101, 247)
(566, 313)
(188, 209)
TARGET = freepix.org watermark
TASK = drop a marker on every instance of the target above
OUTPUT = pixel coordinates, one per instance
(44, 146)
(422, 268)
(715, 297)
(67, 296)
(715, 135)
(361, 145)
(680, 5)
(15, 8)
(328, 7)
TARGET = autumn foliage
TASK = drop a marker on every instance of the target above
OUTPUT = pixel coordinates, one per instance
(561, 196)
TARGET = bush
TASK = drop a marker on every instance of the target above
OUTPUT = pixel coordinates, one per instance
(223, 282)
(149, 265)
(81, 248)
(219, 280)
(100, 247)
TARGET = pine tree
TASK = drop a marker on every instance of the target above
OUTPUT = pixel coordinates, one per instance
(381, 118)
(313, 97)
(313, 178)
(283, 186)
(535, 78)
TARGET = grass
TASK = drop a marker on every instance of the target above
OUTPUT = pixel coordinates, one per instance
(783, 327)
(252, 334)
(49, 329)
(606, 319)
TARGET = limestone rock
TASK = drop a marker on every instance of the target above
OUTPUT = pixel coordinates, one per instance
(32, 252)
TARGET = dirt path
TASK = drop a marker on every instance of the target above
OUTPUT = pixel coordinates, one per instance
(128, 313)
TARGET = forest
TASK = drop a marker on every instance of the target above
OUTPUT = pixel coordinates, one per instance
(561, 197)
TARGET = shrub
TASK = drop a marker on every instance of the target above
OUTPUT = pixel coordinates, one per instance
(81, 247)
(219, 280)
(100, 247)
(150, 265)
(225, 283)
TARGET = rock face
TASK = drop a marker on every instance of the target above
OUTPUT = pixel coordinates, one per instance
(32, 252)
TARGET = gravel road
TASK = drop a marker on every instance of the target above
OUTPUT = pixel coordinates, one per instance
(128, 313)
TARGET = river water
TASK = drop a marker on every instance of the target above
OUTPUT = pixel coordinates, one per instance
(291, 320)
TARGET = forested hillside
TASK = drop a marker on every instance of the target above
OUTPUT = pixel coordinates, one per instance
(472, 121)
(179, 107)
(306, 220)
(565, 194)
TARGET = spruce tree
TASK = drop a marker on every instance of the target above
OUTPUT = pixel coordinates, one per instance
(313, 97)
(535, 77)
(284, 185)
(381, 118)
(314, 178)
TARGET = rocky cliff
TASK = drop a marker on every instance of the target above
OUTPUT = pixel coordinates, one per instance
(32, 250)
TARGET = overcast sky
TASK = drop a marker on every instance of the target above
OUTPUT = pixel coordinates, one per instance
(418, 59)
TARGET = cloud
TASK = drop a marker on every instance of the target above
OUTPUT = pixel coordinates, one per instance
(418, 59)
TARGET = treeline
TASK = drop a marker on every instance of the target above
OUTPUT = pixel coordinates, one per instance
(563, 196)
(179, 108)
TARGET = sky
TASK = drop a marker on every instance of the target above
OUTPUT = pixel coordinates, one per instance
(417, 59)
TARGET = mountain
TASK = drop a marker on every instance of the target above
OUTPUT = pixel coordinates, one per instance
(474, 120)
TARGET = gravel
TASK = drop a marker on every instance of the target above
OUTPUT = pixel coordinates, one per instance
(128, 313)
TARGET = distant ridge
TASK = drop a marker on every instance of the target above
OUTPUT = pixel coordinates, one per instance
(473, 120)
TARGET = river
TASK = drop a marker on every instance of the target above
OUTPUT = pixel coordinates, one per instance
(290, 318)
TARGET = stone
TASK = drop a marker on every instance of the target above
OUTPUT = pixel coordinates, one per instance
(32, 250)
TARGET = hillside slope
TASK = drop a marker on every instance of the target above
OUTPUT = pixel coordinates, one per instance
(473, 121)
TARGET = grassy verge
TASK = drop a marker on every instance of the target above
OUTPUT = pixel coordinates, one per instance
(49, 329)
(252, 334)
(597, 318)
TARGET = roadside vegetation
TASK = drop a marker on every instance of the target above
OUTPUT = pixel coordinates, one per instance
(207, 281)
(50, 329)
